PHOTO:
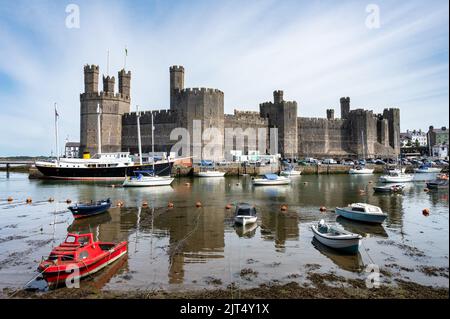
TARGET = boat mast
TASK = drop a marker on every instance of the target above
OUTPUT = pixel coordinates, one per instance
(56, 133)
(99, 129)
(153, 145)
(138, 115)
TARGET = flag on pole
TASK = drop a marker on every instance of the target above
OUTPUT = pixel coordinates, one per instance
(126, 51)
(56, 112)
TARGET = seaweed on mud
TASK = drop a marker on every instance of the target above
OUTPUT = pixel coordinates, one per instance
(397, 266)
(408, 250)
(213, 281)
(248, 273)
(312, 266)
(434, 271)
(9, 238)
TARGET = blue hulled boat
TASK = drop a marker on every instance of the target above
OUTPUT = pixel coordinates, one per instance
(90, 209)
(362, 212)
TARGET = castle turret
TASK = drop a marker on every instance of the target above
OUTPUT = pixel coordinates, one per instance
(277, 97)
(176, 84)
(124, 83)
(108, 84)
(91, 78)
(330, 114)
(345, 107)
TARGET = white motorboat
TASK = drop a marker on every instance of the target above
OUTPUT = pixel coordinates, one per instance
(362, 212)
(427, 168)
(147, 178)
(396, 177)
(336, 238)
(272, 179)
(290, 173)
(210, 173)
(245, 214)
(360, 170)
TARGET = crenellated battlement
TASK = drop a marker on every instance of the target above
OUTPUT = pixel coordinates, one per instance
(91, 68)
(124, 73)
(104, 95)
(176, 68)
(197, 91)
(159, 117)
(250, 117)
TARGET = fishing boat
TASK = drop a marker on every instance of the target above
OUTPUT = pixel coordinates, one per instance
(397, 188)
(362, 212)
(82, 210)
(336, 238)
(427, 168)
(396, 177)
(147, 178)
(360, 169)
(245, 214)
(79, 251)
(271, 179)
(441, 182)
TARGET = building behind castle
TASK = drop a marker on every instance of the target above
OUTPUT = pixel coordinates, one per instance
(356, 133)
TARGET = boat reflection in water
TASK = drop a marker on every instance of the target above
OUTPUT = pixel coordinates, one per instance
(89, 225)
(246, 231)
(349, 262)
(363, 229)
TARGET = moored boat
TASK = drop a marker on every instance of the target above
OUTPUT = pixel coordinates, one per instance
(210, 173)
(362, 212)
(336, 238)
(245, 214)
(427, 168)
(82, 210)
(271, 179)
(290, 173)
(147, 178)
(397, 188)
(361, 170)
(396, 177)
(79, 251)
(441, 182)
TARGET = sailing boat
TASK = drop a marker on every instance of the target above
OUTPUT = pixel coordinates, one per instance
(146, 177)
(209, 172)
(361, 169)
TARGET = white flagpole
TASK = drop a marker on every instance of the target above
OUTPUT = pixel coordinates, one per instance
(138, 115)
(107, 64)
(99, 129)
(56, 133)
(125, 58)
(153, 145)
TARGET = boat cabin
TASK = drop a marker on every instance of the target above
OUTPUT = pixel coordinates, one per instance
(244, 209)
(366, 208)
(142, 173)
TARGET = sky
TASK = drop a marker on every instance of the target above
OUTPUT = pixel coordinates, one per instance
(316, 51)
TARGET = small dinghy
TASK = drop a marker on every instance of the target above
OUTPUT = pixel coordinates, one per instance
(441, 182)
(336, 238)
(211, 173)
(272, 179)
(245, 214)
(362, 212)
(397, 188)
(81, 210)
(360, 170)
(79, 251)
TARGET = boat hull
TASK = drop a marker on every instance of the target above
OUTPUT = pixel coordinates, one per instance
(290, 173)
(427, 170)
(360, 171)
(148, 182)
(245, 220)
(348, 245)
(55, 275)
(101, 173)
(393, 179)
(211, 174)
(361, 217)
(83, 212)
(263, 181)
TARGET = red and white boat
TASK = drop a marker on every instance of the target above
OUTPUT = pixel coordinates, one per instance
(79, 251)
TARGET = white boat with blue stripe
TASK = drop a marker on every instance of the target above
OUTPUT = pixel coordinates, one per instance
(272, 179)
(362, 212)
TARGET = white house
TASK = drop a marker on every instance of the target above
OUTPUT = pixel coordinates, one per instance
(440, 151)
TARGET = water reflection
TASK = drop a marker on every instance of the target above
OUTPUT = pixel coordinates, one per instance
(246, 231)
(349, 262)
(363, 229)
(279, 227)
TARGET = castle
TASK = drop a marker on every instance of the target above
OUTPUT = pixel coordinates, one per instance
(356, 133)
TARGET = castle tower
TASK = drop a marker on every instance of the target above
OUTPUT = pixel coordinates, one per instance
(176, 84)
(108, 84)
(345, 107)
(112, 106)
(282, 115)
(330, 114)
(91, 78)
(124, 83)
(393, 117)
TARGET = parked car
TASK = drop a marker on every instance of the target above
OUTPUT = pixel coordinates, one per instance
(329, 161)
(380, 162)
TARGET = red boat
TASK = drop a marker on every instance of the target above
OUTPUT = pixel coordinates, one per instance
(79, 251)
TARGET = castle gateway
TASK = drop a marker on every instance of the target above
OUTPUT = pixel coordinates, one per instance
(356, 133)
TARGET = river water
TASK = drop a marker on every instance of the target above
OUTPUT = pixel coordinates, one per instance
(186, 247)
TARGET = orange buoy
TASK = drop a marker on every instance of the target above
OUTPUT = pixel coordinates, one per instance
(144, 204)
(119, 203)
(283, 207)
(113, 185)
(228, 206)
(370, 182)
(68, 201)
(198, 204)
(425, 189)
(323, 209)
(170, 205)
(29, 200)
(51, 199)
(187, 184)
(426, 212)
(10, 199)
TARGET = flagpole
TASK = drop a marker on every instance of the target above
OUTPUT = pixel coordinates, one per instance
(138, 115)
(107, 64)
(125, 59)
(99, 129)
(56, 133)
